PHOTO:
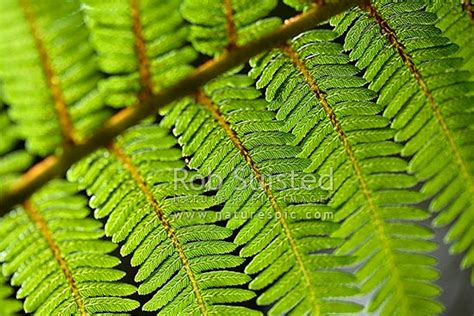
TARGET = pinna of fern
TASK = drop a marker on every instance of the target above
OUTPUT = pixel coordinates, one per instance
(231, 137)
(141, 45)
(322, 101)
(165, 223)
(428, 98)
(224, 24)
(456, 23)
(54, 254)
(49, 73)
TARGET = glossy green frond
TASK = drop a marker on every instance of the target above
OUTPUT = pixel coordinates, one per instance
(429, 100)
(141, 45)
(274, 206)
(218, 25)
(167, 225)
(49, 73)
(458, 27)
(9, 306)
(12, 161)
(53, 252)
(321, 100)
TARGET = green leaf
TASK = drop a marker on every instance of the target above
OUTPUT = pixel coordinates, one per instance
(141, 46)
(10, 306)
(13, 161)
(164, 222)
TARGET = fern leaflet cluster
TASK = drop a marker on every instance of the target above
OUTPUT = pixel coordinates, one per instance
(9, 305)
(234, 139)
(167, 226)
(457, 25)
(225, 24)
(426, 96)
(323, 102)
(141, 45)
(13, 161)
(60, 264)
(49, 73)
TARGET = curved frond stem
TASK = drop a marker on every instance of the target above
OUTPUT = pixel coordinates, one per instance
(138, 178)
(375, 215)
(205, 101)
(39, 221)
(57, 165)
(469, 8)
(230, 25)
(65, 122)
(408, 61)
(140, 48)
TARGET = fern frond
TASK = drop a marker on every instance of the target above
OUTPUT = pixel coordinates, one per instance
(218, 25)
(141, 44)
(60, 264)
(457, 23)
(165, 223)
(49, 73)
(9, 305)
(235, 143)
(429, 99)
(321, 100)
